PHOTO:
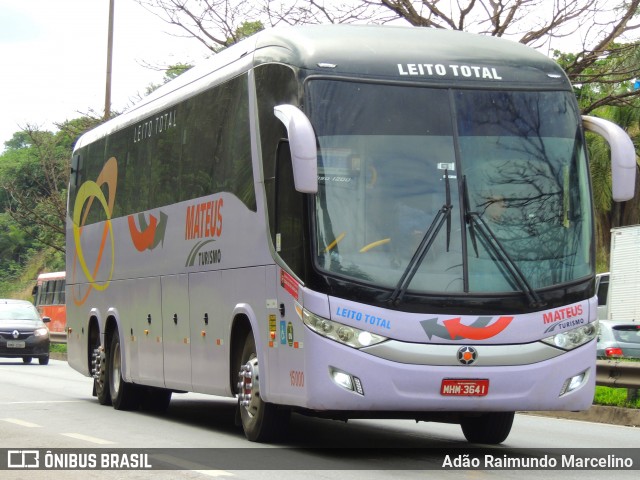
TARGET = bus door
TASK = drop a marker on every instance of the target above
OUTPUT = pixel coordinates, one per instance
(176, 332)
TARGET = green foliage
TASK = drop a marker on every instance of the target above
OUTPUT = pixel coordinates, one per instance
(34, 172)
(616, 397)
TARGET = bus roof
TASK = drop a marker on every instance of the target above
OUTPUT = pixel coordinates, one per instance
(51, 276)
(400, 54)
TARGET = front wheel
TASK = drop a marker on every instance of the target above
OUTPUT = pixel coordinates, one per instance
(489, 428)
(261, 421)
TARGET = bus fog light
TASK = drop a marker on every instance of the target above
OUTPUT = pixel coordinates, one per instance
(573, 383)
(346, 381)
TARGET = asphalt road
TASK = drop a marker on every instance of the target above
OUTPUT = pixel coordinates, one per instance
(51, 407)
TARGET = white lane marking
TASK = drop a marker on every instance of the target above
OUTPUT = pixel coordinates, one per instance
(41, 401)
(21, 422)
(193, 467)
(87, 438)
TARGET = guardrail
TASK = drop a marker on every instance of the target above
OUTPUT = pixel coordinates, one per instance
(58, 337)
(619, 374)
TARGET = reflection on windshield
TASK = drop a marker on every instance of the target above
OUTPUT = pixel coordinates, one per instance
(384, 151)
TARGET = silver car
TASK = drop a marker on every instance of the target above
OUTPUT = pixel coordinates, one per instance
(616, 339)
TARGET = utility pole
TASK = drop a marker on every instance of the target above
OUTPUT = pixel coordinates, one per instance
(107, 95)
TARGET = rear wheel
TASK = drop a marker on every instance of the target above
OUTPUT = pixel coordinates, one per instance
(489, 428)
(155, 399)
(100, 373)
(44, 360)
(26, 359)
(260, 421)
(124, 395)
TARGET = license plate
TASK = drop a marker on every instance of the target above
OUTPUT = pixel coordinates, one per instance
(456, 387)
(15, 344)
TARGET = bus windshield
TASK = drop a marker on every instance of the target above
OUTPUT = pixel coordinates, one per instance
(513, 163)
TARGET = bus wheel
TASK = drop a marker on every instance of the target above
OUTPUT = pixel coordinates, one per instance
(124, 395)
(100, 375)
(489, 428)
(155, 399)
(261, 421)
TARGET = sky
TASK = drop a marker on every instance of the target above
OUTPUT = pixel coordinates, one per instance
(53, 56)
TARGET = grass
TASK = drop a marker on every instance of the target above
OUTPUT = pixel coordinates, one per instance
(616, 397)
(58, 347)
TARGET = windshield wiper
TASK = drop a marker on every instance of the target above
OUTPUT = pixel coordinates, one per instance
(425, 244)
(477, 224)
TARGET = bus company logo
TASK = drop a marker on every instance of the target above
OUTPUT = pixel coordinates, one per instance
(482, 328)
(204, 220)
(561, 314)
(88, 193)
(467, 355)
(150, 234)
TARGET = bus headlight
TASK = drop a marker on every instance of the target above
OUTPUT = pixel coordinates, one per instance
(573, 338)
(345, 334)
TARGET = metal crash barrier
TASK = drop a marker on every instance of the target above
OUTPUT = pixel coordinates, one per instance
(619, 374)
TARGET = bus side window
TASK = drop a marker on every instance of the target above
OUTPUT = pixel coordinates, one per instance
(56, 292)
(49, 287)
(289, 212)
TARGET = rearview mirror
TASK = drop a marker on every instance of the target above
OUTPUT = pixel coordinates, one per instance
(302, 142)
(623, 156)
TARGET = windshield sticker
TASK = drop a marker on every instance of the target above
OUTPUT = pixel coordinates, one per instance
(454, 329)
(441, 70)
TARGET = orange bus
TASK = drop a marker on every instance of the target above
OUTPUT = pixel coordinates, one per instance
(49, 299)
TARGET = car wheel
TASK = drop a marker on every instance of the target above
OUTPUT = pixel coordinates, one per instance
(44, 360)
(26, 359)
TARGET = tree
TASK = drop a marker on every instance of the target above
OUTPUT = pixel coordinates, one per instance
(599, 28)
(34, 172)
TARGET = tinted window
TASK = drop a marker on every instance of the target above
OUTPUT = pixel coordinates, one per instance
(195, 148)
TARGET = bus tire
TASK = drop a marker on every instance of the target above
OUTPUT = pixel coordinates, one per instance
(100, 372)
(154, 399)
(261, 421)
(124, 395)
(488, 428)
